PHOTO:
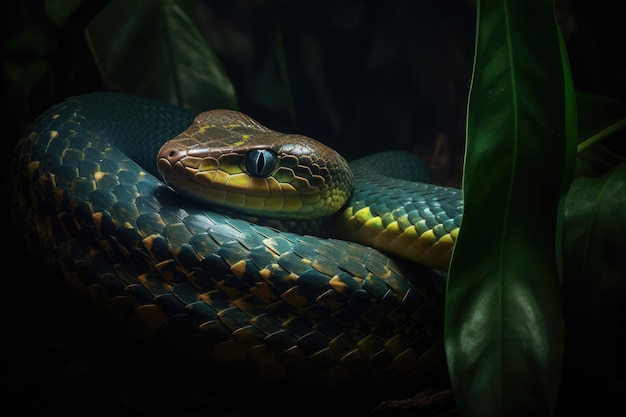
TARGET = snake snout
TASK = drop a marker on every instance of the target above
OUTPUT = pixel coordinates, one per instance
(171, 155)
(169, 160)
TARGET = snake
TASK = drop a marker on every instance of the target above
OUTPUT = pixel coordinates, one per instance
(354, 294)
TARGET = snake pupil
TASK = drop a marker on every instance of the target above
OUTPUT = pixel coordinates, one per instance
(260, 162)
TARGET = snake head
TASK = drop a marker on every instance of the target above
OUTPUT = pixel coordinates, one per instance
(227, 159)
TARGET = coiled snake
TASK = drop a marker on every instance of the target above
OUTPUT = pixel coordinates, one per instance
(275, 303)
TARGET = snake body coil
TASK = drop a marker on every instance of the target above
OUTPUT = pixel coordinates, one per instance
(277, 304)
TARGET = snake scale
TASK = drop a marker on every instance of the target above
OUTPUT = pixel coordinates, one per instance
(276, 305)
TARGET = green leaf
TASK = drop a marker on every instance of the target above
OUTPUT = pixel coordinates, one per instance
(594, 285)
(24, 74)
(569, 148)
(155, 49)
(503, 321)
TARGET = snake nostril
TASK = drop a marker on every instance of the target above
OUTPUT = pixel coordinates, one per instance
(171, 154)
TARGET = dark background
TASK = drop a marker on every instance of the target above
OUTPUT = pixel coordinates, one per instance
(362, 76)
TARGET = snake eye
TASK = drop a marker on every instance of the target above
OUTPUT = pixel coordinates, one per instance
(260, 162)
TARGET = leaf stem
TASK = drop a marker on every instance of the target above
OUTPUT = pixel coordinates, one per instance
(584, 145)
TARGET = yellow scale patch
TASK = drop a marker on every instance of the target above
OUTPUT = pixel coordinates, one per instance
(243, 140)
(424, 248)
(239, 182)
(203, 164)
(261, 186)
(271, 194)
(239, 269)
(311, 199)
(254, 202)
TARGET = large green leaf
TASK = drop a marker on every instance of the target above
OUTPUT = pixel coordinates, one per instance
(155, 49)
(503, 323)
(595, 278)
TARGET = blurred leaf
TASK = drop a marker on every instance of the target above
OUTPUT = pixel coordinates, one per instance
(155, 49)
(32, 39)
(503, 324)
(26, 59)
(60, 10)
(25, 75)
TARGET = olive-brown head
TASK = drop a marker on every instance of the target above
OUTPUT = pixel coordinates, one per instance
(226, 158)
